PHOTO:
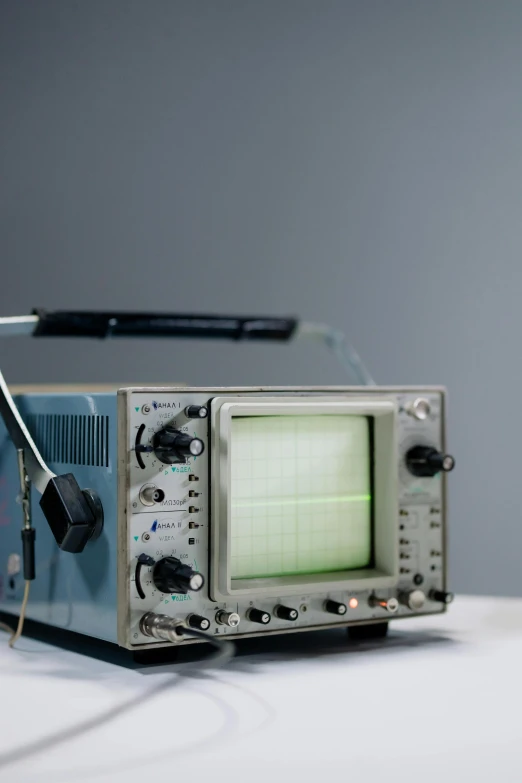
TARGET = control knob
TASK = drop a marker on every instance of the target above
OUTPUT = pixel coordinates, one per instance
(426, 461)
(414, 600)
(286, 613)
(442, 596)
(198, 622)
(171, 445)
(258, 616)
(334, 607)
(170, 575)
(196, 412)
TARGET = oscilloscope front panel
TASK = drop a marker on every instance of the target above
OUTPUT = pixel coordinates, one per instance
(270, 525)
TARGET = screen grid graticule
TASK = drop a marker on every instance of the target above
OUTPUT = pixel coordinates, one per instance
(300, 495)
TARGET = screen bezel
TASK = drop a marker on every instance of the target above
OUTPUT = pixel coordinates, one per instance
(384, 573)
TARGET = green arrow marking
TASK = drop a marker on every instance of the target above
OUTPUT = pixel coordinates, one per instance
(136, 409)
(136, 538)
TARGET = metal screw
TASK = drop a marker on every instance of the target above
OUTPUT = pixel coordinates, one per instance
(303, 608)
(145, 537)
(145, 409)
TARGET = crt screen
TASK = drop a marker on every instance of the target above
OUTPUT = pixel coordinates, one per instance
(300, 495)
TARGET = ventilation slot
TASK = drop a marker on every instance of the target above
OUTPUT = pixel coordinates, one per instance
(70, 439)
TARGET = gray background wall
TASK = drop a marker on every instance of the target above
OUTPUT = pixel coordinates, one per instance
(353, 162)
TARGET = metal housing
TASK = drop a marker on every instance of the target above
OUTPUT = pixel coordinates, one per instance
(94, 593)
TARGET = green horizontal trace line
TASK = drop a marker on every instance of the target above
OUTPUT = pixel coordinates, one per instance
(304, 572)
(308, 501)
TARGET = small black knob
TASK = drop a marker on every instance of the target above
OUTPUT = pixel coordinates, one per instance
(286, 613)
(171, 446)
(170, 575)
(198, 622)
(441, 596)
(258, 616)
(196, 412)
(426, 461)
(333, 607)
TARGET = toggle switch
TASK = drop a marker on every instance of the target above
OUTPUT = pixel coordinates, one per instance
(390, 605)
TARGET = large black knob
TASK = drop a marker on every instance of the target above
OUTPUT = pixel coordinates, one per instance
(170, 575)
(426, 461)
(171, 446)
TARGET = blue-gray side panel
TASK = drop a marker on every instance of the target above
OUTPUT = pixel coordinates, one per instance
(76, 592)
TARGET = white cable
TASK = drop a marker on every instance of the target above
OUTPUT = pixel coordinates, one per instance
(20, 627)
(336, 342)
(15, 635)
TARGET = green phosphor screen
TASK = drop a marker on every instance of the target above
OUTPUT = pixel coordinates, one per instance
(300, 495)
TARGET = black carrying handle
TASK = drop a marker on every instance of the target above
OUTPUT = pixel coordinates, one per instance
(63, 323)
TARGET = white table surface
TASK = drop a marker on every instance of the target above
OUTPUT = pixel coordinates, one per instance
(439, 700)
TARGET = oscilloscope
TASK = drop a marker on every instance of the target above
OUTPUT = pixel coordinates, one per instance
(232, 511)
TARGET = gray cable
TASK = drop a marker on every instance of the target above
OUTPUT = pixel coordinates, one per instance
(225, 651)
(337, 343)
